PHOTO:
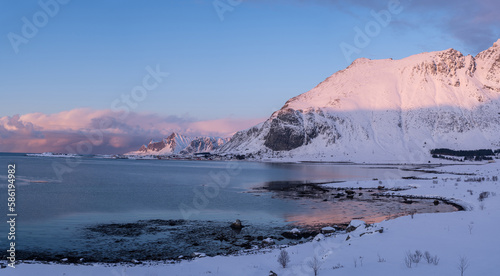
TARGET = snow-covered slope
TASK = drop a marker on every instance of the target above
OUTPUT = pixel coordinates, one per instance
(173, 144)
(180, 144)
(204, 144)
(387, 110)
(449, 236)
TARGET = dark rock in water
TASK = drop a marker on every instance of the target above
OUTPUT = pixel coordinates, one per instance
(310, 234)
(297, 235)
(236, 231)
(292, 235)
(237, 225)
(246, 245)
(407, 201)
(348, 237)
(271, 273)
(248, 238)
(436, 202)
(350, 192)
(120, 229)
(221, 237)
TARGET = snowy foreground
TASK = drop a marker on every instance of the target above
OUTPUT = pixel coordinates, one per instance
(472, 234)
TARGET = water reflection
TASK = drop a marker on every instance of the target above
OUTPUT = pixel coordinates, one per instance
(325, 206)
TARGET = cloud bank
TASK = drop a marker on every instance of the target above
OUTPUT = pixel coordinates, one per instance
(86, 130)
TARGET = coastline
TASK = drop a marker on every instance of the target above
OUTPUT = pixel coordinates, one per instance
(445, 184)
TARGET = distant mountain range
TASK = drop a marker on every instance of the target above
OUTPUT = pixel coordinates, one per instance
(181, 145)
(386, 110)
(374, 111)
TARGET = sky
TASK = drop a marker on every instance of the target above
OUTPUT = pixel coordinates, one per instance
(198, 67)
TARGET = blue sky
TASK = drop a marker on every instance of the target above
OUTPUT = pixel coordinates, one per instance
(245, 64)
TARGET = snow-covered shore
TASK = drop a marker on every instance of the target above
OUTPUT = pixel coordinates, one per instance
(472, 234)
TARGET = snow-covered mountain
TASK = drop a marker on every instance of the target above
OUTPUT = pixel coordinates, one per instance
(204, 144)
(387, 110)
(179, 144)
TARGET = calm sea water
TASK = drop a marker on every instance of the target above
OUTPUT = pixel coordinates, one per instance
(57, 198)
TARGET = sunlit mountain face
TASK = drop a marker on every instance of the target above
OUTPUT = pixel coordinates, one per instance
(387, 110)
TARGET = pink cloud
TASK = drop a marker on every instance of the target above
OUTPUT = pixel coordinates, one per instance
(227, 126)
(65, 120)
(102, 131)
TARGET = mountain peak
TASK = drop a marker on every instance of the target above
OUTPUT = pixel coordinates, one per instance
(488, 64)
(172, 136)
(492, 50)
(370, 84)
(387, 108)
(497, 44)
(360, 61)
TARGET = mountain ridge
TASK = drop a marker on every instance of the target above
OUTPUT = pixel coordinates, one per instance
(178, 144)
(386, 110)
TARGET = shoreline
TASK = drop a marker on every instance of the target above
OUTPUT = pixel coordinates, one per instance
(433, 162)
(319, 189)
(440, 236)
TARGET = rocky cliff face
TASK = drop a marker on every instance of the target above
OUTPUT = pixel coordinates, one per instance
(204, 144)
(173, 144)
(180, 144)
(394, 110)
